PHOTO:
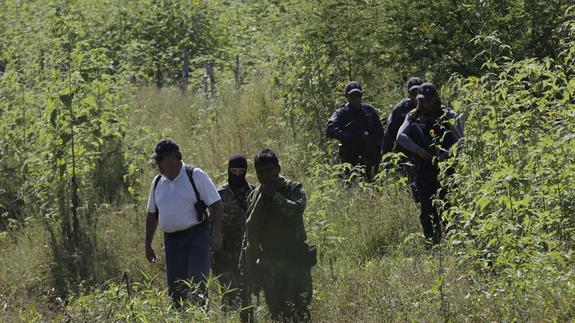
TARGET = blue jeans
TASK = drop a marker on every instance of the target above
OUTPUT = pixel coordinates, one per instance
(188, 258)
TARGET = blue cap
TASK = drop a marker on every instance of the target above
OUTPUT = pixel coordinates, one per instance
(427, 91)
(352, 87)
(414, 83)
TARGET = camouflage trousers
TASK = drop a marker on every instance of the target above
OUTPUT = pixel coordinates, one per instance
(225, 267)
(287, 289)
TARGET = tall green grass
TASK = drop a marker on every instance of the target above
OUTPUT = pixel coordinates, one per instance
(373, 266)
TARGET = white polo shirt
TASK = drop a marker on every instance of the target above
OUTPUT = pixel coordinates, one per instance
(176, 199)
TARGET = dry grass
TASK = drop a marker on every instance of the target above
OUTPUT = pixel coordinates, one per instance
(373, 266)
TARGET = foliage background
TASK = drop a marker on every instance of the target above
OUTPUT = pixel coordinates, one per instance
(88, 87)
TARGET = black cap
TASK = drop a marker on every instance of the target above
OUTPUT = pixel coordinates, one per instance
(352, 87)
(427, 91)
(164, 147)
(413, 83)
(238, 161)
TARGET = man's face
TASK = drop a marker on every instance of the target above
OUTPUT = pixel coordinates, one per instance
(238, 171)
(413, 95)
(167, 164)
(354, 99)
(267, 173)
(427, 103)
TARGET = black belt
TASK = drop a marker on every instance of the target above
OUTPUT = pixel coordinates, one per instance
(188, 231)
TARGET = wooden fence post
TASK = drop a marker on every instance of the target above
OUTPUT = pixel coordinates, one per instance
(205, 79)
(212, 78)
(238, 73)
(185, 72)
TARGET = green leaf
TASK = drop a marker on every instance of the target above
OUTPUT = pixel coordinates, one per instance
(67, 99)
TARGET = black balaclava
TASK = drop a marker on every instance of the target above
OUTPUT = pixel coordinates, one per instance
(237, 161)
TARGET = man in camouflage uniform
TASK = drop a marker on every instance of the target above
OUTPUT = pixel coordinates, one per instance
(275, 242)
(234, 197)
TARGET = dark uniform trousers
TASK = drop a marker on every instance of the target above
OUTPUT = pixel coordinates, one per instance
(428, 190)
(288, 289)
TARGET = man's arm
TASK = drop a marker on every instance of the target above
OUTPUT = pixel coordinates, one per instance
(333, 129)
(406, 142)
(209, 194)
(250, 244)
(246, 284)
(378, 131)
(292, 206)
(388, 136)
(217, 212)
(151, 220)
(459, 132)
(151, 225)
(393, 124)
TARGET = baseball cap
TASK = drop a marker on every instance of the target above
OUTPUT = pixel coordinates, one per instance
(427, 91)
(352, 87)
(164, 147)
(413, 83)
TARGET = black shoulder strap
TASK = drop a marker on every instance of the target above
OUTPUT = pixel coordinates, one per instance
(156, 181)
(190, 171)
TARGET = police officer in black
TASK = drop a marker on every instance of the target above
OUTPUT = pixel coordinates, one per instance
(428, 133)
(397, 116)
(394, 121)
(358, 128)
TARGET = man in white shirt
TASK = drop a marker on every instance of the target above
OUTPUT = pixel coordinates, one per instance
(177, 203)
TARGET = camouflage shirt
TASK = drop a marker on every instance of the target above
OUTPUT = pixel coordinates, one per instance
(234, 221)
(275, 223)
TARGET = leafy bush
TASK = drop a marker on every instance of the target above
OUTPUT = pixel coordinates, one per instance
(81, 112)
(511, 213)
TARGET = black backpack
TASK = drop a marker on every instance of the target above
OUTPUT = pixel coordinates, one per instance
(200, 205)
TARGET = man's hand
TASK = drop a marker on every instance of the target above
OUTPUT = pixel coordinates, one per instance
(423, 154)
(217, 241)
(151, 224)
(217, 213)
(346, 138)
(150, 254)
(268, 190)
